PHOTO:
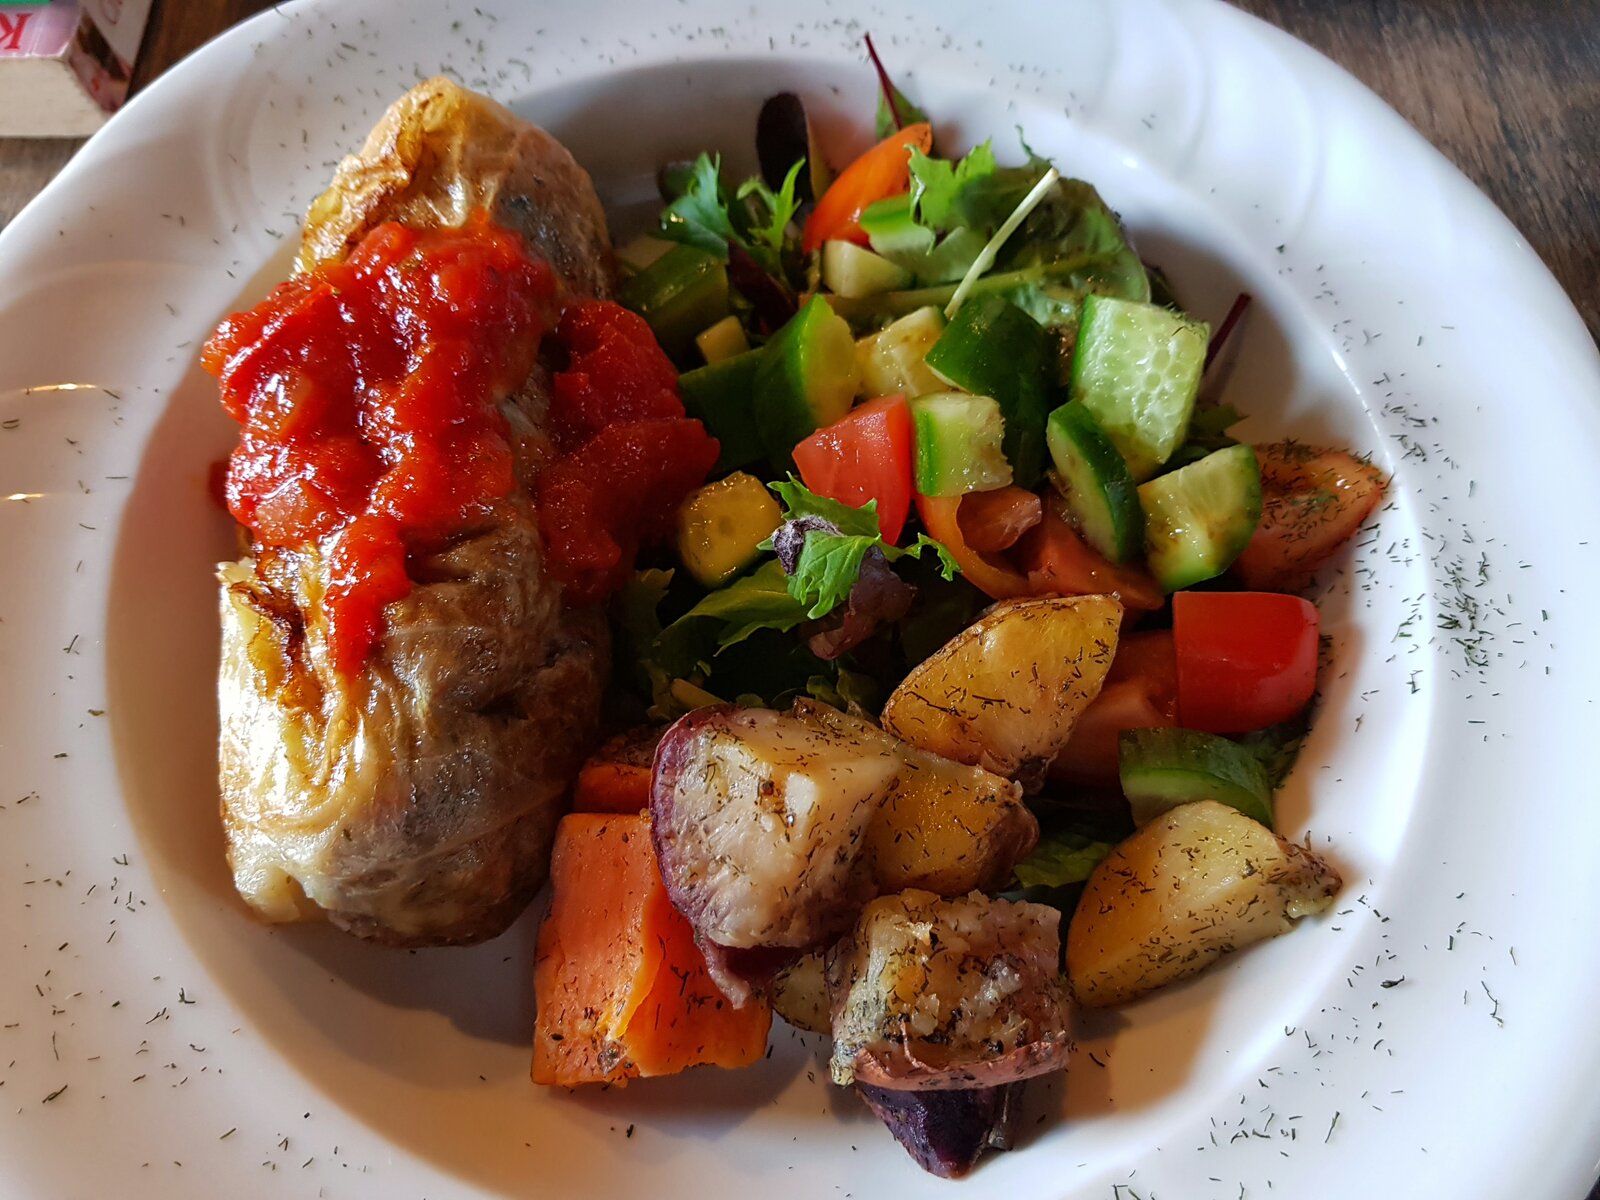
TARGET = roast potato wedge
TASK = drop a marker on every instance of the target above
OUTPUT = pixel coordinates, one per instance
(944, 826)
(759, 821)
(799, 994)
(1195, 883)
(1004, 693)
(935, 994)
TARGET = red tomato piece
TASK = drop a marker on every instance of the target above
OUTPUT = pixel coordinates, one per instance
(1140, 692)
(993, 521)
(864, 456)
(989, 573)
(1246, 660)
(884, 170)
(1060, 563)
(1313, 501)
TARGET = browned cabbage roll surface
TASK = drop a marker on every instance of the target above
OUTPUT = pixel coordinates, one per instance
(415, 803)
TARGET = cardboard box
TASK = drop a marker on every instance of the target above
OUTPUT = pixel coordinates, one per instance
(65, 66)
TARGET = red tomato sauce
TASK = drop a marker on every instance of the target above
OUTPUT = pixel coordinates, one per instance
(368, 393)
(629, 454)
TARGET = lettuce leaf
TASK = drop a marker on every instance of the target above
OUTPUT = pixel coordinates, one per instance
(753, 216)
(772, 211)
(1061, 858)
(700, 217)
(759, 600)
(822, 543)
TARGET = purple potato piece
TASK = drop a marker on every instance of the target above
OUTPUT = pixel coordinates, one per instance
(947, 1132)
(930, 994)
(741, 973)
(759, 821)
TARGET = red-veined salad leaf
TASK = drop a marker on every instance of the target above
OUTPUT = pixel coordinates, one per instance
(821, 545)
(894, 110)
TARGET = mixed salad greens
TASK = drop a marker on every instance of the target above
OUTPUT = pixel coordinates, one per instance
(940, 382)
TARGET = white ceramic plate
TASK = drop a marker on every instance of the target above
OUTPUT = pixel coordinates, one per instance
(1435, 1037)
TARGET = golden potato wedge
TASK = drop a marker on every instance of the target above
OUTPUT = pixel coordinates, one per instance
(1004, 693)
(799, 994)
(1198, 881)
(944, 826)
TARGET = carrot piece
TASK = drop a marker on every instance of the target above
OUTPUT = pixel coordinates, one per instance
(609, 787)
(622, 989)
(594, 966)
(686, 1020)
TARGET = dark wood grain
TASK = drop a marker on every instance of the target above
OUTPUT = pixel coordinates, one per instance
(1508, 89)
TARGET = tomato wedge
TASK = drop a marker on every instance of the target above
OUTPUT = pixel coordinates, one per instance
(1313, 501)
(1140, 692)
(884, 170)
(1060, 563)
(992, 521)
(864, 456)
(989, 573)
(1246, 660)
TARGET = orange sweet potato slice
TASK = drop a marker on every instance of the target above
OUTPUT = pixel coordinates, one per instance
(622, 989)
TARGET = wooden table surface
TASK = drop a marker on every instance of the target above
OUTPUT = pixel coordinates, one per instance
(1508, 89)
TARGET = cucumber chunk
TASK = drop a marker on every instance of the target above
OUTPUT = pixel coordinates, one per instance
(1199, 518)
(723, 340)
(992, 348)
(722, 525)
(1137, 369)
(892, 360)
(893, 230)
(678, 295)
(1093, 479)
(854, 271)
(958, 442)
(1163, 768)
(722, 396)
(806, 378)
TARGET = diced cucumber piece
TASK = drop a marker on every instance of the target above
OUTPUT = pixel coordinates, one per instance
(643, 251)
(1163, 768)
(679, 294)
(723, 340)
(891, 360)
(893, 230)
(1199, 518)
(992, 348)
(1094, 481)
(722, 395)
(806, 378)
(854, 271)
(958, 442)
(1137, 368)
(721, 527)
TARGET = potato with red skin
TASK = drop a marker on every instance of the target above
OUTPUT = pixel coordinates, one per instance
(774, 829)
(939, 994)
(760, 825)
